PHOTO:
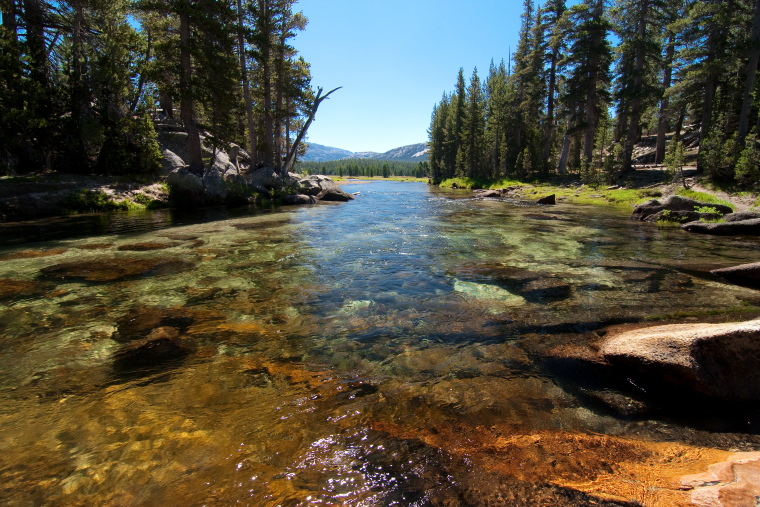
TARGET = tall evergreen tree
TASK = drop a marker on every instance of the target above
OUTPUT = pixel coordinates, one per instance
(587, 66)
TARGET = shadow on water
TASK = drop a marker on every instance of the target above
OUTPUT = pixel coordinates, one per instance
(400, 349)
(99, 224)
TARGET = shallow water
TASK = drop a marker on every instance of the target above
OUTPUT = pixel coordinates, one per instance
(386, 351)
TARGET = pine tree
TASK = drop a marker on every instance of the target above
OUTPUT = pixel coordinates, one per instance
(637, 23)
(587, 64)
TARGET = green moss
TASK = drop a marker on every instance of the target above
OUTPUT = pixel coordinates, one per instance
(88, 201)
(702, 196)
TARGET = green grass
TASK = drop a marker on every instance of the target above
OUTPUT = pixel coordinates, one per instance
(702, 196)
(88, 201)
(576, 195)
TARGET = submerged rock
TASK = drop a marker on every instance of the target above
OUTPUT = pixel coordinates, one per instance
(115, 269)
(141, 321)
(15, 289)
(674, 203)
(749, 227)
(488, 193)
(747, 275)
(714, 360)
(152, 352)
(546, 289)
(146, 246)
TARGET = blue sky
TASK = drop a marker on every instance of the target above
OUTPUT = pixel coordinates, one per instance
(394, 59)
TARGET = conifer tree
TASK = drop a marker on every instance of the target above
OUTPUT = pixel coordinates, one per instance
(587, 65)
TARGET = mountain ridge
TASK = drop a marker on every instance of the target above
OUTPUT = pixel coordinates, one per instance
(409, 153)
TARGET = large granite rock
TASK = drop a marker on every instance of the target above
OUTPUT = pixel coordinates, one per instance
(215, 189)
(747, 275)
(266, 178)
(186, 188)
(316, 184)
(741, 215)
(714, 360)
(674, 203)
(298, 199)
(740, 228)
(681, 216)
(171, 162)
(334, 194)
(323, 188)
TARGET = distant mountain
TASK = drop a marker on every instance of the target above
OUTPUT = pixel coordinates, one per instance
(319, 153)
(411, 153)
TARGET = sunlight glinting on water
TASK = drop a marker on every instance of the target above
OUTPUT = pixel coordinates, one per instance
(387, 351)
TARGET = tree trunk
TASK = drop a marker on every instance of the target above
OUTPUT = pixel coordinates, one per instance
(35, 40)
(280, 86)
(749, 87)
(591, 93)
(679, 124)
(662, 120)
(549, 127)
(186, 97)
(141, 81)
(562, 168)
(709, 97)
(252, 147)
(638, 74)
(266, 82)
(291, 157)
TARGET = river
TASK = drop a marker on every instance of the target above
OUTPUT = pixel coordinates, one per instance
(387, 351)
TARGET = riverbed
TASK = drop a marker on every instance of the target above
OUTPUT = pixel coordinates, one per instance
(387, 351)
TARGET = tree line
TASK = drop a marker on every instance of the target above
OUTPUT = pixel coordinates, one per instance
(680, 71)
(82, 79)
(366, 168)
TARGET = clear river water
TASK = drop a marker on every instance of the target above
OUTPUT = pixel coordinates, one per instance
(393, 350)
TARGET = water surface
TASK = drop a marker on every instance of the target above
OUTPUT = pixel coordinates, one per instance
(387, 351)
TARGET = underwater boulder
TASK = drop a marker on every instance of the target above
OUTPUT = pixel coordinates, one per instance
(18, 289)
(161, 348)
(746, 275)
(543, 290)
(114, 269)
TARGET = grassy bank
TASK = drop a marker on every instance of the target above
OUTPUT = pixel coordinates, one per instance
(574, 193)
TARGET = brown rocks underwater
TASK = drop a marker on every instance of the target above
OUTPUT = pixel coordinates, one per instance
(418, 351)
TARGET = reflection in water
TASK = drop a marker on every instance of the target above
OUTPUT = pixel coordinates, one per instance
(387, 351)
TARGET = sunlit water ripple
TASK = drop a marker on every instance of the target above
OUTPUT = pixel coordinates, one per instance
(386, 351)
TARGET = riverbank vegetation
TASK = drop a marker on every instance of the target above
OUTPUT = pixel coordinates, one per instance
(679, 79)
(85, 84)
